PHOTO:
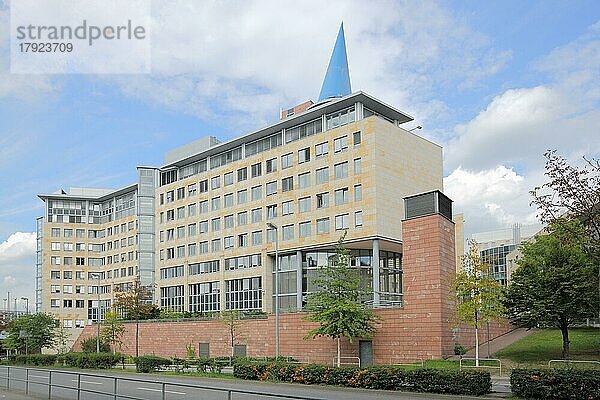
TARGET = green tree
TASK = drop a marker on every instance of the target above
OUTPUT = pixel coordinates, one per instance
(31, 331)
(113, 330)
(88, 345)
(479, 297)
(231, 319)
(555, 283)
(337, 306)
(62, 340)
(135, 303)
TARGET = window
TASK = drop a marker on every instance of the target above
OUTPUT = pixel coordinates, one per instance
(271, 165)
(80, 233)
(68, 261)
(242, 218)
(256, 238)
(357, 192)
(357, 166)
(304, 228)
(271, 235)
(323, 200)
(203, 247)
(68, 233)
(287, 160)
(287, 207)
(287, 232)
(341, 170)
(228, 242)
(203, 205)
(204, 297)
(304, 180)
(170, 199)
(242, 196)
(228, 222)
(242, 174)
(340, 118)
(181, 212)
(341, 196)
(322, 175)
(54, 288)
(356, 138)
(55, 246)
(192, 190)
(304, 155)
(55, 303)
(192, 230)
(192, 210)
(243, 240)
(54, 274)
(55, 232)
(203, 226)
(203, 186)
(341, 222)
(203, 267)
(256, 192)
(243, 294)
(272, 211)
(271, 188)
(340, 144)
(304, 130)
(228, 200)
(304, 204)
(180, 232)
(321, 149)
(191, 249)
(170, 234)
(215, 203)
(228, 179)
(358, 218)
(55, 260)
(256, 215)
(323, 225)
(256, 170)
(215, 182)
(180, 251)
(171, 272)
(180, 193)
(287, 184)
(216, 224)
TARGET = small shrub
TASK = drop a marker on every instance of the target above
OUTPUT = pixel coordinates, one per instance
(150, 363)
(88, 345)
(459, 350)
(555, 384)
(383, 378)
(38, 360)
(92, 360)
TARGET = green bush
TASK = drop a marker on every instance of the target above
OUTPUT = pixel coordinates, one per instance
(150, 363)
(459, 350)
(37, 360)
(382, 377)
(89, 345)
(92, 360)
(555, 384)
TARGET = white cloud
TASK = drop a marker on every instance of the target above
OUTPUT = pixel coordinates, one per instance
(254, 57)
(17, 266)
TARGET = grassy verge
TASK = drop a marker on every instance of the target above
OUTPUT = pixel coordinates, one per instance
(545, 345)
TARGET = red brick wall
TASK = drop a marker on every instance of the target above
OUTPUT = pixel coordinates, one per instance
(422, 329)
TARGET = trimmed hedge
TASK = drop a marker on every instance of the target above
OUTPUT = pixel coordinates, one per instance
(92, 360)
(37, 360)
(381, 377)
(150, 363)
(555, 384)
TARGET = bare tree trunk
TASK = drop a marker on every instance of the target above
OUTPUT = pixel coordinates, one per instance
(339, 352)
(564, 329)
(476, 340)
(137, 333)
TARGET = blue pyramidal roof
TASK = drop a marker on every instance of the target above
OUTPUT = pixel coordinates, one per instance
(337, 78)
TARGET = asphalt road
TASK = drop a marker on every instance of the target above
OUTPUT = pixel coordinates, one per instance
(96, 385)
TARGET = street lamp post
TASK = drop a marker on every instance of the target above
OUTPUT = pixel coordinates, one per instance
(26, 304)
(98, 315)
(274, 227)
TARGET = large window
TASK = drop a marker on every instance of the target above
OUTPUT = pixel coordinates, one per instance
(204, 297)
(243, 262)
(302, 131)
(243, 294)
(171, 297)
(206, 267)
(340, 118)
(171, 272)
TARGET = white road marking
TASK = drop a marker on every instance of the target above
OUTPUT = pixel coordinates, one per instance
(89, 382)
(160, 390)
(39, 376)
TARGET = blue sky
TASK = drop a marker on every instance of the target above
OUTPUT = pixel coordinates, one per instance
(495, 83)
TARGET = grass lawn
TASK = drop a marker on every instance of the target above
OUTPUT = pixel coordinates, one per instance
(546, 345)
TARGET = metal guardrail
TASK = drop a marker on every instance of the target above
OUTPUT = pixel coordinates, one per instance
(114, 393)
(461, 366)
(417, 362)
(357, 362)
(574, 361)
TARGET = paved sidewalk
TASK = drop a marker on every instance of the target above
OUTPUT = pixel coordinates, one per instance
(500, 342)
